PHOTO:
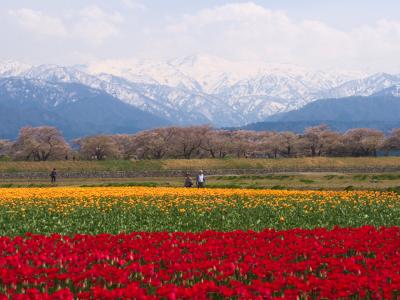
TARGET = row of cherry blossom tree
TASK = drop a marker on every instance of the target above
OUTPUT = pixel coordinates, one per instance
(47, 143)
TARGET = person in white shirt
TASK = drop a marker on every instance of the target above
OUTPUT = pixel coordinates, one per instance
(201, 179)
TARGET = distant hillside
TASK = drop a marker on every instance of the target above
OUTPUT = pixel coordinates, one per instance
(380, 111)
(75, 109)
(298, 127)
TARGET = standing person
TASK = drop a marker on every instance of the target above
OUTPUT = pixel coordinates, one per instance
(201, 180)
(53, 175)
(188, 181)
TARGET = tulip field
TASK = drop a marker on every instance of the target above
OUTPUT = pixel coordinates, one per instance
(175, 243)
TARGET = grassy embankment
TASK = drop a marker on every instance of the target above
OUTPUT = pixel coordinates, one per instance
(337, 178)
(207, 164)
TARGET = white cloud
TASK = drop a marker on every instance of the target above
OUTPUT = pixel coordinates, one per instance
(39, 23)
(250, 31)
(91, 24)
(134, 4)
(235, 31)
(96, 25)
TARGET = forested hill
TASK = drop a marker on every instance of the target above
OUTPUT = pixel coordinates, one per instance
(380, 111)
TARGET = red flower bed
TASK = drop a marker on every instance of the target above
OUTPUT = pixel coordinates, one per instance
(363, 262)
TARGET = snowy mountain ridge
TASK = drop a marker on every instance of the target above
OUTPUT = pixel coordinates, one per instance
(213, 74)
(205, 89)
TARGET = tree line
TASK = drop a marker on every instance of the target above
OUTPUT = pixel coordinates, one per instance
(47, 143)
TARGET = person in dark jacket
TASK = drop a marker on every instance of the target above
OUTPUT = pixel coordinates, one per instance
(188, 181)
(53, 175)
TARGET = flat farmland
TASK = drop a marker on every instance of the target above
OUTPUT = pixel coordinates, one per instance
(291, 181)
(295, 173)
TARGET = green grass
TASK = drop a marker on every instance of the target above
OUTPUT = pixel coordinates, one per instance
(331, 177)
(123, 184)
(361, 177)
(254, 177)
(4, 158)
(278, 187)
(307, 181)
(35, 185)
(385, 177)
(292, 181)
(377, 177)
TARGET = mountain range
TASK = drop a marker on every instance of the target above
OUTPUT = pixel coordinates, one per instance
(380, 110)
(184, 91)
(75, 109)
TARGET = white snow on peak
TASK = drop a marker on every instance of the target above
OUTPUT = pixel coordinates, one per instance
(10, 68)
(206, 89)
(212, 75)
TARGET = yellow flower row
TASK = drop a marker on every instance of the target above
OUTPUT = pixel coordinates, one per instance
(90, 192)
(69, 198)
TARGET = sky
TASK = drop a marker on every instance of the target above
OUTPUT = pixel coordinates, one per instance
(329, 34)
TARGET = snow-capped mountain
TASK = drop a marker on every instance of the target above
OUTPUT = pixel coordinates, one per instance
(214, 75)
(225, 92)
(206, 89)
(173, 103)
(35, 91)
(363, 87)
(380, 107)
(12, 68)
(74, 108)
